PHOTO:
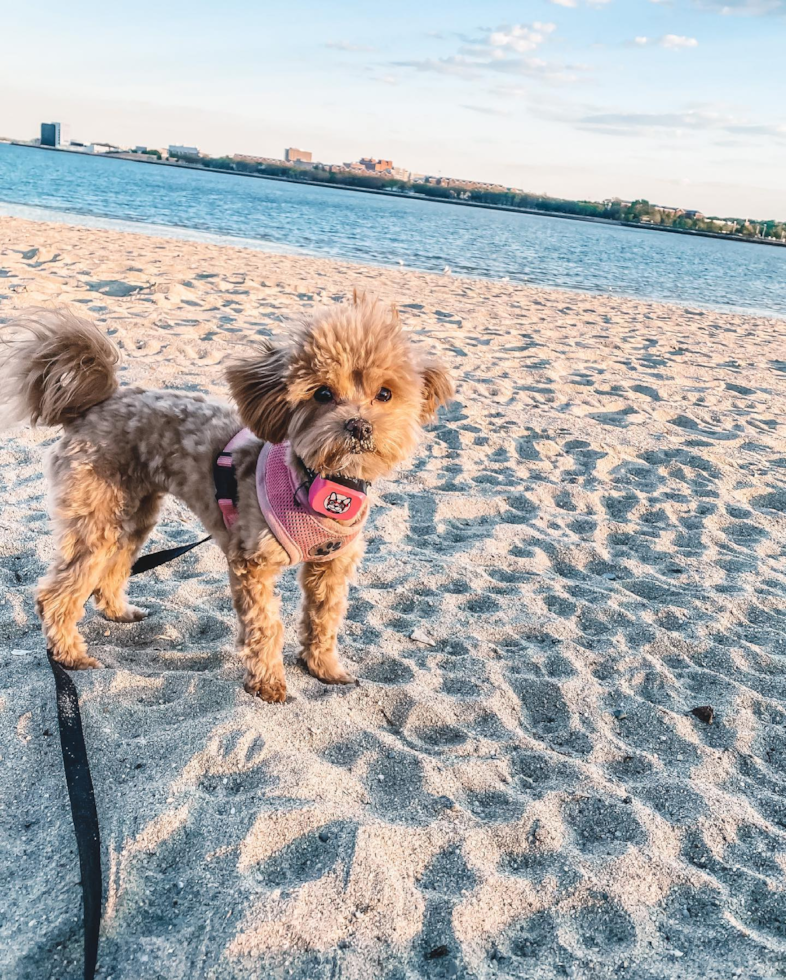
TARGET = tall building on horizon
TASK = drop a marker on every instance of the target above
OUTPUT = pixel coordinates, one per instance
(53, 134)
(292, 155)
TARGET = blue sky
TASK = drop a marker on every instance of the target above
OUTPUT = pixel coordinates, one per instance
(680, 102)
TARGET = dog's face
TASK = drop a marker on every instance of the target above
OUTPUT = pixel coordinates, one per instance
(345, 388)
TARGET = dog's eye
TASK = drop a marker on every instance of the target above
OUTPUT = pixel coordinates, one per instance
(323, 395)
(384, 395)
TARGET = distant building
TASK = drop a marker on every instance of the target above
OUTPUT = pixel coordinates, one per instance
(53, 134)
(292, 155)
(250, 158)
(102, 148)
(183, 151)
(376, 166)
(398, 172)
(696, 215)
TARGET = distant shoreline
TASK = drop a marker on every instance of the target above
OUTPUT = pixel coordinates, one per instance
(633, 225)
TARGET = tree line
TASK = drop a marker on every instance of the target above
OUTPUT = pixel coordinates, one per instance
(635, 212)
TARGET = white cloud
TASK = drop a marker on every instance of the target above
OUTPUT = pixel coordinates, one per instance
(743, 8)
(673, 42)
(521, 38)
(564, 3)
(706, 119)
(486, 110)
(506, 49)
(676, 42)
(348, 46)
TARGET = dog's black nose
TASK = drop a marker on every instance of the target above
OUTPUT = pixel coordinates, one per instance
(359, 429)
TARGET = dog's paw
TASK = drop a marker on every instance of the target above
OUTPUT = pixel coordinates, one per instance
(131, 614)
(340, 677)
(272, 690)
(79, 662)
(329, 673)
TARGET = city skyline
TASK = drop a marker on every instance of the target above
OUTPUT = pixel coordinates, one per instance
(668, 102)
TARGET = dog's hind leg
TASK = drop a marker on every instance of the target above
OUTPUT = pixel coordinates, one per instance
(110, 596)
(88, 522)
(62, 594)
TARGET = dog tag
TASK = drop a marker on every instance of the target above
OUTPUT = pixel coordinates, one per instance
(334, 499)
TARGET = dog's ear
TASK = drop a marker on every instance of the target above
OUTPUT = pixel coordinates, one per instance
(437, 389)
(259, 387)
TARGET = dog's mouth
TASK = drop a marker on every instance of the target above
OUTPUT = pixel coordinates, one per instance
(365, 445)
(344, 458)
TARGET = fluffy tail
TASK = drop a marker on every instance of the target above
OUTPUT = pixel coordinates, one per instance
(54, 366)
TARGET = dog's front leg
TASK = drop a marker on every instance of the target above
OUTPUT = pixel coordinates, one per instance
(325, 586)
(262, 635)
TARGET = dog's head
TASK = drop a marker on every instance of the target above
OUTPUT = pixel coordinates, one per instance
(345, 387)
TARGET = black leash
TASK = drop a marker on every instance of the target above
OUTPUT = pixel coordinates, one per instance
(146, 562)
(80, 783)
(83, 808)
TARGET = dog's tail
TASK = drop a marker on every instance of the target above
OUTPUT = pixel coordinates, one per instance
(54, 366)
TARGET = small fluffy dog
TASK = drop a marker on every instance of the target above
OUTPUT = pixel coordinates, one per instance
(341, 399)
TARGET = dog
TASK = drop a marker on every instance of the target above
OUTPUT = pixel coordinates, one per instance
(335, 403)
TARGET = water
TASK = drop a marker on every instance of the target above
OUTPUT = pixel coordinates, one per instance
(384, 230)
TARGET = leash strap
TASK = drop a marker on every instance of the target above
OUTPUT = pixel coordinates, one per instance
(146, 562)
(83, 808)
(80, 783)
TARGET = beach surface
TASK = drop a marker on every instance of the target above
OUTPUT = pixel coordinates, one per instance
(589, 544)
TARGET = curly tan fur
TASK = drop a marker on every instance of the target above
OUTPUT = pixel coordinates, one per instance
(123, 448)
(54, 366)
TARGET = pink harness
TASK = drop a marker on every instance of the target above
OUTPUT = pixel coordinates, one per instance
(286, 504)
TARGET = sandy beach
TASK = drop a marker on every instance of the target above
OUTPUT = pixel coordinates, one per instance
(589, 544)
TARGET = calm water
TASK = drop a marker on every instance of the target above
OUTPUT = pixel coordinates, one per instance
(392, 230)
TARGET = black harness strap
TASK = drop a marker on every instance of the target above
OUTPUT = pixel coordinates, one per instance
(80, 783)
(225, 478)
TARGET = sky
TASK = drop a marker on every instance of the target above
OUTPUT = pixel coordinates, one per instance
(681, 102)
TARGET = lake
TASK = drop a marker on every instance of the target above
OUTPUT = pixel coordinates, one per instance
(393, 230)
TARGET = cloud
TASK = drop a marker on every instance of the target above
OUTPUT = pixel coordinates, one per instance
(678, 123)
(564, 3)
(742, 8)
(452, 65)
(486, 110)
(673, 42)
(676, 42)
(468, 68)
(506, 49)
(521, 37)
(348, 46)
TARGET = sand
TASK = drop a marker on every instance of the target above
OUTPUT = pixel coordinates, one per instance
(589, 544)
